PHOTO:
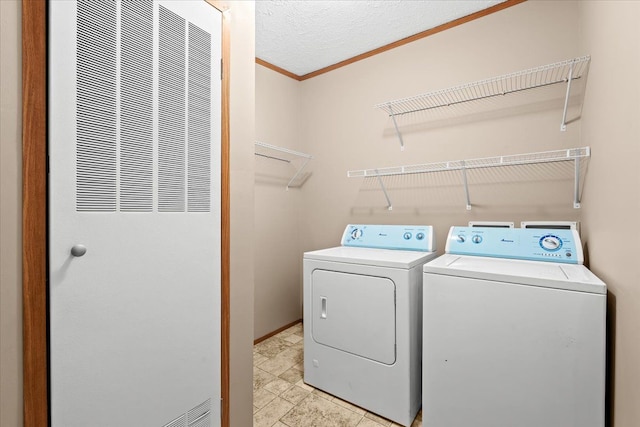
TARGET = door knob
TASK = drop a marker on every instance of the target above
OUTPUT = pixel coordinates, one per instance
(78, 250)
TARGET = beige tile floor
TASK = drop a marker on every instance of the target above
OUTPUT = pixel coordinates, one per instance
(282, 399)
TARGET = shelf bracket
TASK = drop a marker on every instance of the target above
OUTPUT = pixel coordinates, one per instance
(576, 184)
(298, 172)
(384, 190)
(395, 124)
(563, 125)
(466, 185)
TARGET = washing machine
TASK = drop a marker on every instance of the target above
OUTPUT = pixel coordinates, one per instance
(363, 318)
(514, 331)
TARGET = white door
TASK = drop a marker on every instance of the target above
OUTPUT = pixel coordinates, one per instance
(134, 159)
(355, 313)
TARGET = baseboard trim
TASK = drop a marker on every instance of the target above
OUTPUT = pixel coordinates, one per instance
(277, 331)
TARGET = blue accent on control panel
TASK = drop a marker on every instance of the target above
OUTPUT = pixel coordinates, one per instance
(401, 237)
(552, 245)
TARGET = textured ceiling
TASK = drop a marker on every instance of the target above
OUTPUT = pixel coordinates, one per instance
(305, 36)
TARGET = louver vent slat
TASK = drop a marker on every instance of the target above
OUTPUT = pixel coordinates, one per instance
(199, 120)
(196, 413)
(96, 107)
(171, 112)
(205, 421)
(136, 107)
(178, 422)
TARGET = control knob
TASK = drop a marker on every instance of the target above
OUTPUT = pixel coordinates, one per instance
(550, 242)
(356, 233)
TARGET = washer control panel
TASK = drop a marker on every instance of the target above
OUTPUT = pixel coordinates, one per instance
(401, 237)
(516, 243)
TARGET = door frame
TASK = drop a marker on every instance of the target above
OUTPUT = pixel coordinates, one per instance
(34, 214)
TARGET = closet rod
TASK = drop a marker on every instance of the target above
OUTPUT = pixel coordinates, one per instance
(273, 158)
(282, 150)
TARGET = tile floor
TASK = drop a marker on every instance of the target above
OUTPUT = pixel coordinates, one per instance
(282, 399)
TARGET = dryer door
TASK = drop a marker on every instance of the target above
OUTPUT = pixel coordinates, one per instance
(354, 313)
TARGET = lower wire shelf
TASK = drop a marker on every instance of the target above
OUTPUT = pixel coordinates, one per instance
(566, 155)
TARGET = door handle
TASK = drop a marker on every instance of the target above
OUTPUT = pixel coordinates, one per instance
(323, 307)
(78, 250)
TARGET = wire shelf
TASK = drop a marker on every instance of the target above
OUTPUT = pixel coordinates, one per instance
(281, 154)
(511, 160)
(537, 77)
(571, 154)
(559, 72)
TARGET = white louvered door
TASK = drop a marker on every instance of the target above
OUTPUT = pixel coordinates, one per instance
(134, 163)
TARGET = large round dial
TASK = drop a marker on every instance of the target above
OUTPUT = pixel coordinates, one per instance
(551, 243)
(356, 233)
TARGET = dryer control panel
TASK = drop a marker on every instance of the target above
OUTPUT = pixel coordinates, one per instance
(517, 243)
(400, 237)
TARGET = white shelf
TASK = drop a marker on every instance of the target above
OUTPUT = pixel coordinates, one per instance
(285, 155)
(572, 154)
(542, 76)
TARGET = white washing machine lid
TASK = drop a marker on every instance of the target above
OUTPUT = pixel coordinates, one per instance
(570, 277)
(371, 256)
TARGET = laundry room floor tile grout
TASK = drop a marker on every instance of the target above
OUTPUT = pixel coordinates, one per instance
(282, 399)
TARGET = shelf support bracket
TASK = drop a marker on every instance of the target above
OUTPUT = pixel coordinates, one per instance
(384, 190)
(576, 184)
(563, 125)
(297, 172)
(466, 186)
(395, 124)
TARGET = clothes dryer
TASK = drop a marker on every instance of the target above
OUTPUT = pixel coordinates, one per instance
(363, 318)
(514, 332)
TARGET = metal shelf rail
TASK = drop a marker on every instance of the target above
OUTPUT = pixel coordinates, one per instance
(282, 155)
(545, 75)
(571, 154)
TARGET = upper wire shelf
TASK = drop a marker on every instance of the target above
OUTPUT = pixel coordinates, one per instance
(282, 154)
(537, 77)
(571, 154)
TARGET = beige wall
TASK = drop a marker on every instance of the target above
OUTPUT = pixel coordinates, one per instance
(10, 217)
(610, 125)
(242, 137)
(277, 211)
(343, 132)
(337, 124)
(242, 200)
